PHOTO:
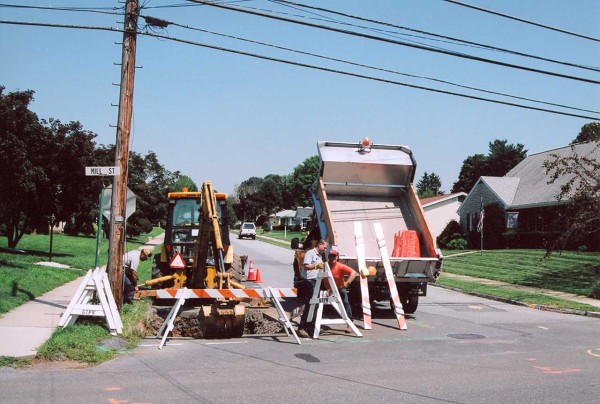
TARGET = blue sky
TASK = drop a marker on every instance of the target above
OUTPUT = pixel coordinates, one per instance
(224, 117)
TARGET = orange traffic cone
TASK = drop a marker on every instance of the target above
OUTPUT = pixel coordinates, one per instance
(251, 273)
(258, 278)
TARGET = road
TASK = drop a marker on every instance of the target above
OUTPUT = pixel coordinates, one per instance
(457, 349)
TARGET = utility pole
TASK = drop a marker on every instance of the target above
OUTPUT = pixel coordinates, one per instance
(119, 195)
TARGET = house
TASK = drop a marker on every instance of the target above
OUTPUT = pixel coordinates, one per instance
(292, 218)
(529, 206)
(441, 209)
(303, 216)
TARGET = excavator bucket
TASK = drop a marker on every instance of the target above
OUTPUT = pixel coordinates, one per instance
(222, 319)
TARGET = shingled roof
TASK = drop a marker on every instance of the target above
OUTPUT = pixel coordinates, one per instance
(526, 185)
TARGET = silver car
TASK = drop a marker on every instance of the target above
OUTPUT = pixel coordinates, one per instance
(247, 230)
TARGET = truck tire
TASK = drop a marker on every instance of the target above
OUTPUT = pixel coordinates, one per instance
(409, 303)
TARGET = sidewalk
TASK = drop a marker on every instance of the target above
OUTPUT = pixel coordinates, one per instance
(26, 328)
(552, 293)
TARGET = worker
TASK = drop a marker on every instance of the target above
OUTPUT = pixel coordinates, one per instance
(313, 262)
(339, 271)
(131, 262)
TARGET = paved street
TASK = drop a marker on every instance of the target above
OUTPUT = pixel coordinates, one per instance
(458, 349)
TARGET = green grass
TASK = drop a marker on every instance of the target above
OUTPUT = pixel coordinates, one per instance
(512, 295)
(570, 272)
(81, 342)
(22, 280)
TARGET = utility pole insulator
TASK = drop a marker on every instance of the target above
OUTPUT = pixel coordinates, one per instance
(119, 195)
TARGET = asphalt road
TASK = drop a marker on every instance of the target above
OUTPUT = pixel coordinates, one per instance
(457, 349)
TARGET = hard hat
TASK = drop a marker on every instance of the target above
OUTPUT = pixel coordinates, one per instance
(334, 252)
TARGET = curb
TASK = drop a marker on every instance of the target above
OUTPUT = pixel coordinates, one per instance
(593, 314)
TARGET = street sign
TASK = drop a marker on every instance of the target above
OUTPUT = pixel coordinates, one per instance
(107, 202)
(103, 171)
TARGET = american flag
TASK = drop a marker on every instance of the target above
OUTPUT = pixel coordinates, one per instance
(480, 224)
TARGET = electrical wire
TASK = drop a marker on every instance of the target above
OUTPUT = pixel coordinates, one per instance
(289, 62)
(374, 67)
(459, 3)
(454, 40)
(376, 38)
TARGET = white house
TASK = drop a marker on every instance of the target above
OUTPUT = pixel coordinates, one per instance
(441, 209)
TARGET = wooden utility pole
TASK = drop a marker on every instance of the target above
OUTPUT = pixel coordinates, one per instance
(119, 195)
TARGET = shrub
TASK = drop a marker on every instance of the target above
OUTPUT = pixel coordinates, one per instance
(451, 231)
(266, 227)
(457, 244)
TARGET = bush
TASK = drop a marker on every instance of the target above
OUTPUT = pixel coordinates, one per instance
(457, 244)
(451, 232)
(266, 227)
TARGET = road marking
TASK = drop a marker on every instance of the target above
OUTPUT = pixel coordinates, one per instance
(475, 307)
(113, 389)
(549, 370)
(590, 351)
(531, 359)
(543, 328)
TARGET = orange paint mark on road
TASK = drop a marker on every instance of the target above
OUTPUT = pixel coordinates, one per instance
(113, 389)
(549, 370)
(531, 359)
(115, 401)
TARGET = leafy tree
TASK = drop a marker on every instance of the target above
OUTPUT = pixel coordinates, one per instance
(24, 184)
(470, 171)
(502, 157)
(183, 181)
(589, 132)
(249, 204)
(581, 189)
(302, 180)
(429, 185)
(71, 196)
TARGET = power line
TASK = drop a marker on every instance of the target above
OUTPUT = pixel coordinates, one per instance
(376, 38)
(289, 62)
(523, 20)
(460, 41)
(372, 67)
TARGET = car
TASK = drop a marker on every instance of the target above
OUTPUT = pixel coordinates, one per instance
(248, 229)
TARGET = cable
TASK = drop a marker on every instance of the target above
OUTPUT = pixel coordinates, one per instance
(373, 67)
(523, 20)
(460, 41)
(289, 62)
(342, 31)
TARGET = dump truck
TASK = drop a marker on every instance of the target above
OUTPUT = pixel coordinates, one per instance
(372, 183)
(196, 254)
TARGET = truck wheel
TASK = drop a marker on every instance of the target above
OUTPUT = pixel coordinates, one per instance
(410, 304)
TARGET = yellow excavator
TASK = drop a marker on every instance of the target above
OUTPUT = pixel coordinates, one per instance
(196, 254)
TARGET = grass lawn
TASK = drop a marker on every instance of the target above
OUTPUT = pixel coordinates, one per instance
(22, 280)
(571, 272)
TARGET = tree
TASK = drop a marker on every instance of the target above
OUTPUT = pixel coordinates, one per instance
(589, 132)
(24, 184)
(502, 157)
(249, 204)
(581, 189)
(429, 185)
(302, 180)
(71, 196)
(183, 181)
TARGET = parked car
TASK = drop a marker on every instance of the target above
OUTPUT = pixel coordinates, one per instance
(247, 230)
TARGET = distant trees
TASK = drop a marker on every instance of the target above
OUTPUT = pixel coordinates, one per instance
(429, 185)
(264, 196)
(589, 132)
(502, 157)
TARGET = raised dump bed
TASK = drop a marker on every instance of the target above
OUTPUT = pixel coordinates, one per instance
(373, 184)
